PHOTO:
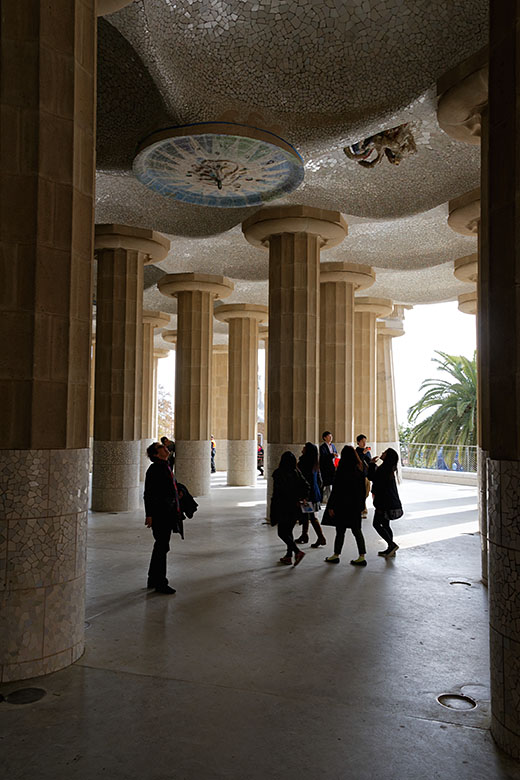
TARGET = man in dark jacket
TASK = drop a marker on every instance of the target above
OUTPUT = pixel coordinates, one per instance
(163, 513)
(328, 454)
(365, 457)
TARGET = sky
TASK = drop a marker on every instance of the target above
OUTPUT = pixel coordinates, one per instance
(439, 326)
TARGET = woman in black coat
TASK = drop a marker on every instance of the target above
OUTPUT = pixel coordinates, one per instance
(289, 490)
(309, 467)
(346, 503)
(386, 498)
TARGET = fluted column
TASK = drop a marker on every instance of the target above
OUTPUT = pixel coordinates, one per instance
(366, 312)
(338, 282)
(122, 252)
(243, 319)
(195, 295)
(151, 320)
(387, 432)
(92, 396)
(503, 278)
(295, 235)
(263, 335)
(158, 354)
(47, 173)
(219, 405)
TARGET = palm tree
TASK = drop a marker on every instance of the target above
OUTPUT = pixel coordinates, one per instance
(454, 420)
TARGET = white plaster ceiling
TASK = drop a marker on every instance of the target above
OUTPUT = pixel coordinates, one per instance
(322, 74)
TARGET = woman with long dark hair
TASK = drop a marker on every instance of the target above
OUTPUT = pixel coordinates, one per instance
(346, 503)
(310, 468)
(386, 498)
(289, 490)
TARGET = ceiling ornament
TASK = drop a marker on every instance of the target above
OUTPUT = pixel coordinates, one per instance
(394, 144)
(218, 164)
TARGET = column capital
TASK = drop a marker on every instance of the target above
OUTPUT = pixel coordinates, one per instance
(360, 276)
(463, 94)
(381, 307)
(465, 269)
(234, 311)
(263, 333)
(464, 213)
(330, 226)
(170, 336)
(158, 319)
(154, 245)
(468, 302)
(392, 328)
(173, 284)
(161, 353)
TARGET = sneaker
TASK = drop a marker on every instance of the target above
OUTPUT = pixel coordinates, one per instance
(287, 559)
(390, 551)
(165, 589)
(298, 557)
(332, 559)
(358, 562)
(319, 543)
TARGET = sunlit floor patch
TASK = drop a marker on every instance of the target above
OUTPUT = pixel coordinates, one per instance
(436, 534)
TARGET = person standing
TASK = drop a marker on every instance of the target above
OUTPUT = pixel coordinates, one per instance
(289, 490)
(163, 513)
(171, 448)
(365, 457)
(309, 467)
(328, 455)
(387, 503)
(346, 503)
(213, 453)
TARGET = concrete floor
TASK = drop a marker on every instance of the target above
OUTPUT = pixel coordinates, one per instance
(255, 670)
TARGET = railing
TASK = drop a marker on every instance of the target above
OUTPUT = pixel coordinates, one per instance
(446, 457)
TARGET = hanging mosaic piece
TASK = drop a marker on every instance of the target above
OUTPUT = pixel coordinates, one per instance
(394, 144)
(219, 164)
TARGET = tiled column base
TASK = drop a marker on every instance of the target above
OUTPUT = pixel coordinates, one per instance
(145, 460)
(504, 601)
(482, 457)
(43, 526)
(272, 455)
(221, 455)
(242, 457)
(115, 476)
(193, 465)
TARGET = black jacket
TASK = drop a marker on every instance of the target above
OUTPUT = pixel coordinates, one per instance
(161, 497)
(290, 487)
(347, 499)
(365, 458)
(384, 487)
(327, 467)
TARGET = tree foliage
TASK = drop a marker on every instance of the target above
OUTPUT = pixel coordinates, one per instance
(165, 417)
(454, 420)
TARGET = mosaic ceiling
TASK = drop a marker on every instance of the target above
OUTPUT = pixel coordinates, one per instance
(321, 74)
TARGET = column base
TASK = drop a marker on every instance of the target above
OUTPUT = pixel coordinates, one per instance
(221, 457)
(115, 476)
(43, 503)
(145, 460)
(193, 465)
(272, 455)
(242, 457)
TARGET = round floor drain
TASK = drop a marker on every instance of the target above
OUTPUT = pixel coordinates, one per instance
(456, 701)
(25, 696)
(460, 582)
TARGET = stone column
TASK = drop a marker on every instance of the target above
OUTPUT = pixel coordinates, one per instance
(295, 236)
(91, 401)
(47, 174)
(122, 252)
(366, 312)
(195, 294)
(338, 282)
(219, 405)
(387, 431)
(503, 272)
(243, 319)
(158, 354)
(263, 335)
(151, 320)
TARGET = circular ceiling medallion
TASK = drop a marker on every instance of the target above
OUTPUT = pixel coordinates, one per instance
(218, 164)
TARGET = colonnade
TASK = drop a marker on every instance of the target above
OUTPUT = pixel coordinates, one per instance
(46, 335)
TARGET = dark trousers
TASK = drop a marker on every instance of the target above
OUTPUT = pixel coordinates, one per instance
(340, 538)
(285, 532)
(157, 570)
(382, 525)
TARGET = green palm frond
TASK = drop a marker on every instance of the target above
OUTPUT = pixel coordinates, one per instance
(454, 420)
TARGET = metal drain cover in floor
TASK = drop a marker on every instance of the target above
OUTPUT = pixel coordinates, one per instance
(456, 701)
(25, 696)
